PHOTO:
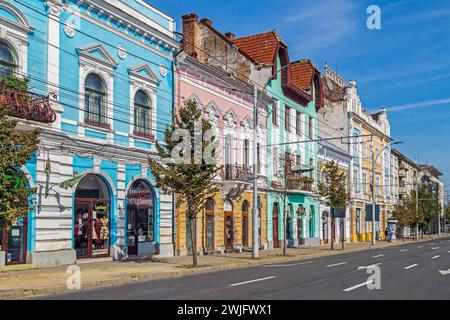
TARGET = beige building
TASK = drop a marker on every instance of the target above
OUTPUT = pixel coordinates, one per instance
(344, 115)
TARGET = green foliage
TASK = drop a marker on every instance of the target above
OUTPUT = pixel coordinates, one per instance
(16, 148)
(405, 212)
(191, 181)
(334, 187)
(429, 206)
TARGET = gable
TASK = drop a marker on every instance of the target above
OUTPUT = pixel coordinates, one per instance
(99, 54)
(145, 73)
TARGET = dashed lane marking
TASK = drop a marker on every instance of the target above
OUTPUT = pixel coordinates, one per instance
(251, 281)
(411, 266)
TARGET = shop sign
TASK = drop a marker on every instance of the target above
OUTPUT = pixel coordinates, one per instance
(140, 202)
(100, 207)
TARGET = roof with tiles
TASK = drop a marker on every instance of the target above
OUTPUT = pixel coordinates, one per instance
(302, 74)
(261, 47)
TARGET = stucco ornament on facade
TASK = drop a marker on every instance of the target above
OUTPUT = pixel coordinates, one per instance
(163, 70)
(69, 29)
(121, 52)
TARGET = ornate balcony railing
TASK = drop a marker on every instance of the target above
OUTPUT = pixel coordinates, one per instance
(300, 184)
(236, 172)
(26, 105)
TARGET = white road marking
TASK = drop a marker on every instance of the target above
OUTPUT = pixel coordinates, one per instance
(444, 272)
(435, 257)
(251, 281)
(287, 265)
(367, 267)
(377, 256)
(403, 250)
(336, 264)
(434, 248)
(432, 244)
(420, 247)
(358, 286)
(411, 266)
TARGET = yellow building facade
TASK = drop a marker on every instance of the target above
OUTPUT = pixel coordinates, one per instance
(225, 225)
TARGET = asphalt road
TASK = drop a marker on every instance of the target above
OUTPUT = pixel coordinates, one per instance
(411, 271)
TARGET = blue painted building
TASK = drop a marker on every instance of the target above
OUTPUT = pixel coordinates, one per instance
(110, 64)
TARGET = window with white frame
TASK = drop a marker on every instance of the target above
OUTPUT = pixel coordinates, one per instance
(95, 97)
(142, 114)
(7, 60)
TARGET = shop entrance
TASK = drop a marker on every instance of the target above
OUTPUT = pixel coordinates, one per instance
(92, 218)
(13, 241)
(245, 225)
(140, 217)
(275, 225)
(228, 228)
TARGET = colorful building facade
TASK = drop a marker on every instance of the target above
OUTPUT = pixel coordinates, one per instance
(227, 99)
(108, 67)
(292, 128)
(366, 135)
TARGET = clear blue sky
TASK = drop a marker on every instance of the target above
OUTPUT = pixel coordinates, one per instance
(404, 67)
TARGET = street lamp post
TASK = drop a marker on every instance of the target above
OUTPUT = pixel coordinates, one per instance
(374, 160)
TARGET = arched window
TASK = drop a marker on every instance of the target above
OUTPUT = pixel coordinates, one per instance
(95, 100)
(142, 114)
(7, 64)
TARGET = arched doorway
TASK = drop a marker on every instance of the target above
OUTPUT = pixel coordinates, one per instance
(228, 227)
(209, 224)
(325, 234)
(13, 237)
(92, 218)
(140, 217)
(275, 216)
(245, 224)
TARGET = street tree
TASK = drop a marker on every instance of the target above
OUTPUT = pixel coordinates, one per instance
(16, 148)
(333, 191)
(289, 177)
(405, 213)
(188, 163)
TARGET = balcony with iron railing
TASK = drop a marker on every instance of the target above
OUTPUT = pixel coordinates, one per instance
(26, 105)
(235, 172)
(302, 184)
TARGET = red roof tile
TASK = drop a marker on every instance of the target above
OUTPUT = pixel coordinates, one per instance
(261, 47)
(302, 73)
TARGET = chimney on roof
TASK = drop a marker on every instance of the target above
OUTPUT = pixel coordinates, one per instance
(207, 21)
(190, 34)
(230, 36)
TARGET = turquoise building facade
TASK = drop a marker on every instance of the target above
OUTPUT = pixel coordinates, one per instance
(291, 128)
(108, 70)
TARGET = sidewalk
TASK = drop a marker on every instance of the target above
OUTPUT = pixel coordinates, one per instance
(19, 284)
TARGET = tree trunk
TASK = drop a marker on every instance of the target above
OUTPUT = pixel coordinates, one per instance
(193, 239)
(333, 231)
(343, 234)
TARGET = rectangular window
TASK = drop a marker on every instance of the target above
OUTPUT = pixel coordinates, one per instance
(275, 160)
(287, 118)
(275, 114)
(311, 165)
(355, 180)
(299, 160)
(310, 128)
(364, 183)
(298, 123)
